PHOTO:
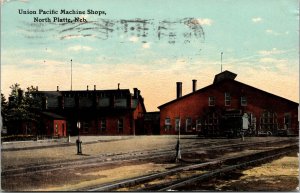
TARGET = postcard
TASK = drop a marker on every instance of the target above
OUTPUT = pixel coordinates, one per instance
(137, 95)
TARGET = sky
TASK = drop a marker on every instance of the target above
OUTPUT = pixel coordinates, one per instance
(150, 45)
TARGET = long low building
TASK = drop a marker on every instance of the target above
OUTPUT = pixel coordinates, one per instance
(230, 106)
(92, 112)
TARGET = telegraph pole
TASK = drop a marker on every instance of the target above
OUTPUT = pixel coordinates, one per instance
(221, 61)
(69, 138)
(71, 74)
(178, 153)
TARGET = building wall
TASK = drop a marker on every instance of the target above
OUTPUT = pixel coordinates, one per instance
(138, 120)
(196, 106)
(48, 124)
(118, 124)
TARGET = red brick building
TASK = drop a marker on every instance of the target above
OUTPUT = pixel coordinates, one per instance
(99, 112)
(228, 104)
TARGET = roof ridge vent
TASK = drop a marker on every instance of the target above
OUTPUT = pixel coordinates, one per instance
(226, 75)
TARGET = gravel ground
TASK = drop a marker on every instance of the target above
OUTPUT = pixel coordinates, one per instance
(93, 146)
(105, 145)
(279, 175)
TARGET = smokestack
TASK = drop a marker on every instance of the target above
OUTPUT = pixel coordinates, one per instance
(118, 86)
(87, 87)
(179, 89)
(135, 93)
(57, 88)
(138, 93)
(37, 88)
(194, 85)
(94, 87)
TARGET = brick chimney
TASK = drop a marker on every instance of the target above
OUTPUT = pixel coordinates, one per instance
(87, 87)
(194, 85)
(57, 88)
(179, 89)
(135, 93)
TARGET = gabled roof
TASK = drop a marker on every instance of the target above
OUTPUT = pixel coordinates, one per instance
(221, 80)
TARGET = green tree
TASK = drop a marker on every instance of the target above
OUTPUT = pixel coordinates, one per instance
(22, 108)
(16, 112)
(33, 105)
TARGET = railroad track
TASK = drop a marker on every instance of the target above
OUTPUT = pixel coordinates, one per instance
(107, 159)
(171, 180)
(110, 156)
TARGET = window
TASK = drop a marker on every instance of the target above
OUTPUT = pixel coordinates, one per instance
(102, 125)
(177, 124)
(46, 103)
(56, 129)
(120, 125)
(211, 101)
(167, 124)
(210, 124)
(243, 101)
(198, 125)
(287, 121)
(268, 122)
(188, 124)
(227, 99)
(140, 115)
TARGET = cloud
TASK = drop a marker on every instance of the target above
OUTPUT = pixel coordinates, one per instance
(270, 60)
(134, 39)
(80, 48)
(146, 45)
(273, 64)
(203, 21)
(256, 20)
(270, 52)
(271, 32)
(40, 63)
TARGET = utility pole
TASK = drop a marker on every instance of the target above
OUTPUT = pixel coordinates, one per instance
(69, 138)
(178, 153)
(221, 61)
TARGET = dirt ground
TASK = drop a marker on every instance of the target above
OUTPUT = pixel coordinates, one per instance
(56, 154)
(81, 178)
(279, 175)
(49, 155)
